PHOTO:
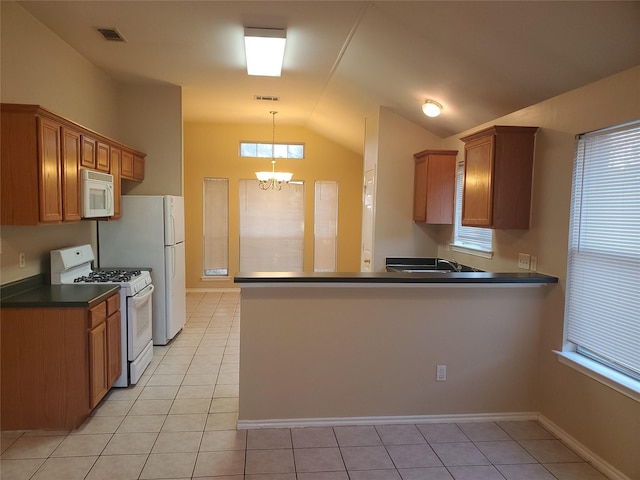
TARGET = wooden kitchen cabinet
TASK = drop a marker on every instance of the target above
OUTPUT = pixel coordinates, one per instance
(104, 348)
(132, 166)
(102, 157)
(89, 152)
(50, 176)
(138, 168)
(95, 154)
(57, 363)
(498, 177)
(114, 341)
(98, 367)
(115, 166)
(41, 156)
(114, 348)
(71, 201)
(434, 186)
(127, 165)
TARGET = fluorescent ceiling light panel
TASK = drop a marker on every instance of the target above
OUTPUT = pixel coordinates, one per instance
(264, 48)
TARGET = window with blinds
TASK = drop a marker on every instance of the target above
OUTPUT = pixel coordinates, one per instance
(215, 227)
(271, 228)
(270, 150)
(325, 224)
(602, 309)
(473, 240)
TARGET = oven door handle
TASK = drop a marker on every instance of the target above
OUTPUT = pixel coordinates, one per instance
(143, 295)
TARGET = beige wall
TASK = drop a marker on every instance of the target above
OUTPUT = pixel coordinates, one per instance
(151, 120)
(211, 150)
(390, 142)
(324, 352)
(605, 421)
(395, 233)
(39, 68)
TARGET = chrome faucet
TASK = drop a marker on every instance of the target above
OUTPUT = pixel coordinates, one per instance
(452, 263)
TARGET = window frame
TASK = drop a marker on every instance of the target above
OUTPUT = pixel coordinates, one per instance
(205, 216)
(321, 222)
(268, 146)
(463, 237)
(592, 168)
(280, 259)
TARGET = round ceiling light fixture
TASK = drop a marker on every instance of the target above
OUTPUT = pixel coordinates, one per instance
(431, 108)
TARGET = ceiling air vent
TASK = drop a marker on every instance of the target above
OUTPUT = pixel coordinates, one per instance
(266, 98)
(111, 34)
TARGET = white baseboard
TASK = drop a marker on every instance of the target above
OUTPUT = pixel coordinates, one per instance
(597, 462)
(213, 290)
(387, 420)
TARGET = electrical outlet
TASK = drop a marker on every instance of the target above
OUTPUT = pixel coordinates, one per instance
(21, 260)
(441, 373)
(533, 266)
(523, 261)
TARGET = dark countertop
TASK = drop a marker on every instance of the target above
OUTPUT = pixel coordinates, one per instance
(395, 278)
(33, 292)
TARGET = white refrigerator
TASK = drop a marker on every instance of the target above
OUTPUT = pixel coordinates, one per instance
(150, 234)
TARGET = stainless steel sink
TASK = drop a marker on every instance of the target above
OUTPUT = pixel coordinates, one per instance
(424, 270)
(427, 265)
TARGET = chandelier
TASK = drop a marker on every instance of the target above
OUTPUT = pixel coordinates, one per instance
(273, 179)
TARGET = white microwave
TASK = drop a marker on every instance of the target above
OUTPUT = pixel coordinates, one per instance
(97, 194)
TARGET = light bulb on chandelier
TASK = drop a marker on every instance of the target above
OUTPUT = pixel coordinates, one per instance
(273, 180)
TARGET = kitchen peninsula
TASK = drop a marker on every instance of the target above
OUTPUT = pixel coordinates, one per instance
(331, 348)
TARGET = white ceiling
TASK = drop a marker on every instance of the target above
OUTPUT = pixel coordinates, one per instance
(344, 59)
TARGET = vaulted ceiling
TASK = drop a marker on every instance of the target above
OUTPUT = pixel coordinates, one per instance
(344, 59)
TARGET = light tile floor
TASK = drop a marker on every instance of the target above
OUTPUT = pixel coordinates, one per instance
(179, 422)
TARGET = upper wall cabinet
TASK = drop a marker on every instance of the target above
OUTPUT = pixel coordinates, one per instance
(41, 157)
(132, 166)
(497, 177)
(95, 154)
(434, 186)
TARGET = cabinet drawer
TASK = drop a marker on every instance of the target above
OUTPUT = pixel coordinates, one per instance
(113, 304)
(98, 314)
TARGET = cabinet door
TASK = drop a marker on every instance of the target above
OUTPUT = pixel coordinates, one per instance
(88, 158)
(50, 170)
(98, 367)
(477, 205)
(102, 157)
(138, 167)
(71, 206)
(440, 189)
(434, 186)
(115, 166)
(114, 348)
(127, 165)
(420, 190)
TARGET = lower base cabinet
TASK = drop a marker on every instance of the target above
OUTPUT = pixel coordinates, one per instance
(57, 363)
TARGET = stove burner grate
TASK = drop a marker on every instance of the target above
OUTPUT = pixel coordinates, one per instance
(108, 276)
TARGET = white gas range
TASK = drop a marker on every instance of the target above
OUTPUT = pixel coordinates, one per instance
(74, 266)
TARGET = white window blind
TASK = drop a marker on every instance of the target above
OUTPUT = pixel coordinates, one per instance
(325, 224)
(271, 228)
(269, 150)
(472, 238)
(216, 227)
(603, 275)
